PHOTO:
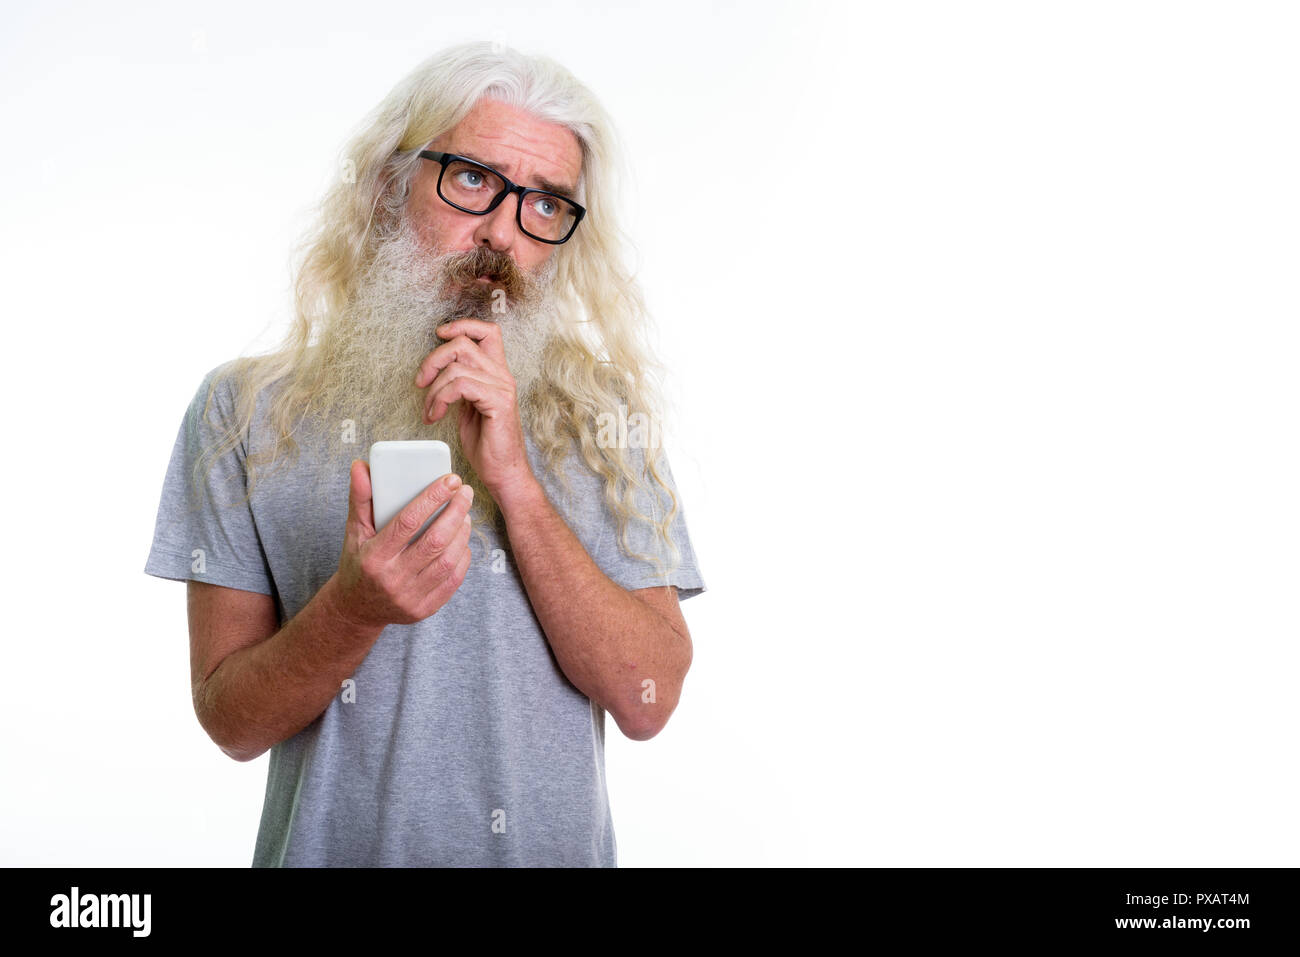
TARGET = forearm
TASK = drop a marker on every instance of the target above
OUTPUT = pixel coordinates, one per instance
(606, 641)
(268, 692)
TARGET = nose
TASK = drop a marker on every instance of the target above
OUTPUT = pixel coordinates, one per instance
(498, 229)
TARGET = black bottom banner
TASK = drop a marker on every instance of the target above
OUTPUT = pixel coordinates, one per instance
(1220, 908)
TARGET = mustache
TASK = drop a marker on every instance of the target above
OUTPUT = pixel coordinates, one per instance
(500, 269)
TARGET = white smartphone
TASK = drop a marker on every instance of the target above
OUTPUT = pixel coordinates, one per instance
(399, 471)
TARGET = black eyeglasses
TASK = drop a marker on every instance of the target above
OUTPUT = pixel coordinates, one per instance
(477, 189)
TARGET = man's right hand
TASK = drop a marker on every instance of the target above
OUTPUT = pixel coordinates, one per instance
(381, 580)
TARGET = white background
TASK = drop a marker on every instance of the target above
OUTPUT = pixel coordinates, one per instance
(982, 323)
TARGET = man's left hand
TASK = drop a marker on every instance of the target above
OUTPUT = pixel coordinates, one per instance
(472, 367)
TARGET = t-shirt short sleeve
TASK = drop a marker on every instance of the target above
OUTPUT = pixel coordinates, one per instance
(205, 529)
(634, 565)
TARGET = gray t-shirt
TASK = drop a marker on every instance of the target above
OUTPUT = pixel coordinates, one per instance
(461, 742)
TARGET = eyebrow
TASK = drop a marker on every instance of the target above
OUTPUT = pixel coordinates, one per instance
(542, 183)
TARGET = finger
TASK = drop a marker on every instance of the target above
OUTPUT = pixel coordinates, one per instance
(462, 349)
(487, 334)
(463, 385)
(392, 538)
(448, 375)
(361, 507)
(441, 563)
(444, 575)
(443, 531)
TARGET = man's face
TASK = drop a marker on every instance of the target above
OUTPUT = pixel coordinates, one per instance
(527, 150)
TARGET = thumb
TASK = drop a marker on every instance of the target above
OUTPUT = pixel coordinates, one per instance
(361, 510)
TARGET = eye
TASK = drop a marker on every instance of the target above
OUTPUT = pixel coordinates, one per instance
(546, 206)
(470, 178)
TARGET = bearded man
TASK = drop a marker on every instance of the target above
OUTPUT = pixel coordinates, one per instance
(440, 699)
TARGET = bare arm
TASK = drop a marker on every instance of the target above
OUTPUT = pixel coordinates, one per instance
(608, 640)
(256, 684)
(626, 650)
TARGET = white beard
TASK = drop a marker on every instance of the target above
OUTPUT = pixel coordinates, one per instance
(369, 355)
